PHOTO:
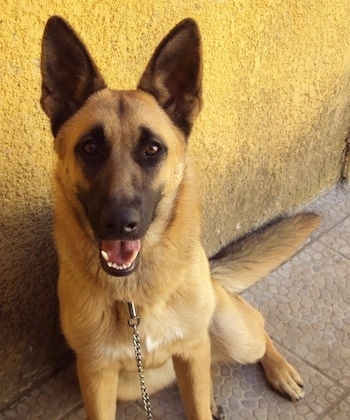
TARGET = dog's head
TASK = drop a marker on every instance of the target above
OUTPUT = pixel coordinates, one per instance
(121, 153)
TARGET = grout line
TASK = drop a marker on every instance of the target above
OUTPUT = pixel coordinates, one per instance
(335, 404)
(71, 411)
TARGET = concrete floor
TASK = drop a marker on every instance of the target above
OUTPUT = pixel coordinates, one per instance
(306, 304)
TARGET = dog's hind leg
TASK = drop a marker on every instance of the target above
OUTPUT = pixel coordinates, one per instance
(238, 334)
(237, 329)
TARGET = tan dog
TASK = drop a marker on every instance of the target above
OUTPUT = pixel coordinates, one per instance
(127, 229)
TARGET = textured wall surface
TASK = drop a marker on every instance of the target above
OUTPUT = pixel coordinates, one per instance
(270, 137)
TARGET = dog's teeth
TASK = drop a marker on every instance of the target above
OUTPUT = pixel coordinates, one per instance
(105, 256)
(115, 265)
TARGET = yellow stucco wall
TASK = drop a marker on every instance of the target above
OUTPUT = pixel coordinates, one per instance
(270, 136)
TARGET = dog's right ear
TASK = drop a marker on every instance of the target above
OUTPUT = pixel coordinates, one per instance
(69, 75)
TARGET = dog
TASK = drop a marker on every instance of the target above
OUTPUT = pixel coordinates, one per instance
(128, 234)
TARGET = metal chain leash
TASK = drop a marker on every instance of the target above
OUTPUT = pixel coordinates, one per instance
(134, 322)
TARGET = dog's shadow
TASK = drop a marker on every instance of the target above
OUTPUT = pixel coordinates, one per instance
(32, 344)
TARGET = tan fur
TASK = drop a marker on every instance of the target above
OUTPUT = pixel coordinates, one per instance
(188, 317)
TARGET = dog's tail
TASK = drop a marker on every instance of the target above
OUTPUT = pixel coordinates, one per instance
(242, 263)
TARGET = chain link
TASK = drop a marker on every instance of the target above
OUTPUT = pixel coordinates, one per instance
(134, 321)
(145, 397)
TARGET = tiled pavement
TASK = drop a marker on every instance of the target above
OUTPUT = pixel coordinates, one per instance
(306, 303)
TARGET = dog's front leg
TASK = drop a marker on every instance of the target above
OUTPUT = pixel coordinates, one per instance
(194, 379)
(98, 384)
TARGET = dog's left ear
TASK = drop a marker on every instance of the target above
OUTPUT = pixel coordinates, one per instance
(174, 74)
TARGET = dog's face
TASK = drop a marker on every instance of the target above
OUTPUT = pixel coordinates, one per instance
(121, 153)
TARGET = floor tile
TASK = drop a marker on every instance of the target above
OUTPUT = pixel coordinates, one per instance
(306, 303)
(340, 412)
(333, 205)
(52, 400)
(244, 393)
(338, 238)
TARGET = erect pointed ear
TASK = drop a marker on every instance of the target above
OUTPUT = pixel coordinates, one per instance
(69, 74)
(174, 74)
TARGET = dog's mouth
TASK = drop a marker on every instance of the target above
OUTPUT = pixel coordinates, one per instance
(120, 258)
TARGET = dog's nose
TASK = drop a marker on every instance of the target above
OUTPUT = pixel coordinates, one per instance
(121, 223)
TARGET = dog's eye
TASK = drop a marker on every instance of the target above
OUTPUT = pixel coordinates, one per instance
(152, 149)
(89, 147)
(93, 148)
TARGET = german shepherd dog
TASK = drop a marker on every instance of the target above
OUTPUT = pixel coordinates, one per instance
(128, 229)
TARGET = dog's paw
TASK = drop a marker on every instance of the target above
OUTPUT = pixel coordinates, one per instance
(219, 413)
(293, 385)
(287, 380)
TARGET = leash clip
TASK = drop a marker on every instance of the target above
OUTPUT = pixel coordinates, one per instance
(134, 320)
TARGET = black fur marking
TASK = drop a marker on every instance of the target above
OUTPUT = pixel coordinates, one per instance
(121, 107)
(93, 150)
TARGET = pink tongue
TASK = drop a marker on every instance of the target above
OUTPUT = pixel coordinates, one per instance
(121, 252)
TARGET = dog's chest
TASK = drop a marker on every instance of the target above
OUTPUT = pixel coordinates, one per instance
(157, 341)
(154, 341)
